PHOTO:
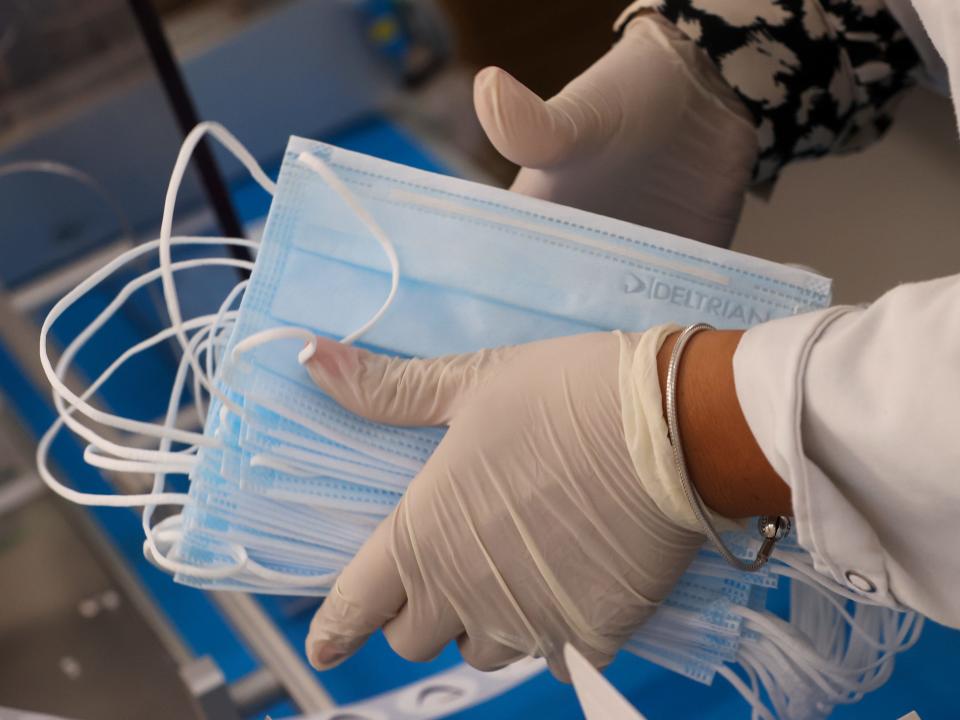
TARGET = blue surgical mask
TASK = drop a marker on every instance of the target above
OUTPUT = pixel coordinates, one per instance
(581, 273)
(286, 485)
(319, 269)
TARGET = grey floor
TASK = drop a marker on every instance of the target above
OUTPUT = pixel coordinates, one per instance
(73, 643)
(870, 220)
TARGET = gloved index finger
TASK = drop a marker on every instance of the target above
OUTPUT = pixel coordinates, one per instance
(367, 594)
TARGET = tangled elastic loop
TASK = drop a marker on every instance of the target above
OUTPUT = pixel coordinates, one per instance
(167, 529)
(55, 375)
(825, 655)
(67, 403)
(168, 533)
(204, 344)
(210, 359)
(317, 165)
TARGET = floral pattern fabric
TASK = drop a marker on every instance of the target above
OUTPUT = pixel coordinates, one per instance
(818, 76)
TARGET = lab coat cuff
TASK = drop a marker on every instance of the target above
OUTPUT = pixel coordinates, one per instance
(769, 372)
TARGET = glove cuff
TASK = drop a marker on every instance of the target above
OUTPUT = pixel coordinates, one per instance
(645, 429)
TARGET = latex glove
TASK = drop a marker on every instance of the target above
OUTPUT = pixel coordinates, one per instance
(530, 526)
(650, 133)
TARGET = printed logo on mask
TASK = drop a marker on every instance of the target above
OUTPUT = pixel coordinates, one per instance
(662, 291)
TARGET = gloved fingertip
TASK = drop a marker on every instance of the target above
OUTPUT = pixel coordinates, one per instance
(324, 656)
(328, 360)
(485, 77)
(518, 122)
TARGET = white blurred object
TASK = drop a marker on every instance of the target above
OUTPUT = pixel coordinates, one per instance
(598, 698)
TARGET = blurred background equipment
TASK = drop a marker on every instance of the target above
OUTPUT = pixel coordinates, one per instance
(89, 130)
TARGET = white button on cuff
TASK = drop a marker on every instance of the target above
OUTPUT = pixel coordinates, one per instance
(859, 582)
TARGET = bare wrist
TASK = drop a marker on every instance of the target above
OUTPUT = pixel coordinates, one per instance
(725, 463)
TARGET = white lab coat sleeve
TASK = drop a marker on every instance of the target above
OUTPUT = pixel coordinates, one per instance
(858, 410)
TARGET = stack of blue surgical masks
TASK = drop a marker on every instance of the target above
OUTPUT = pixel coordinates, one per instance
(285, 485)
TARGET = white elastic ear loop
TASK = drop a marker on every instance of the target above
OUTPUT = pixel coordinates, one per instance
(123, 423)
(210, 359)
(216, 342)
(151, 549)
(810, 576)
(289, 467)
(243, 561)
(78, 403)
(296, 467)
(778, 633)
(169, 532)
(819, 614)
(906, 630)
(290, 580)
(323, 170)
(786, 687)
(831, 598)
(122, 259)
(329, 431)
(123, 451)
(751, 695)
(60, 388)
(65, 418)
(759, 709)
(329, 450)
(54, 375)
(166, 225)
(272, 334)
(317, 465)
(337, 185)
(104, 462)
(159, 478)
(82, 498)
(799, 571)
(753, 658)
(182, 462)
(824, 672)
(791, 676)
(768, 659)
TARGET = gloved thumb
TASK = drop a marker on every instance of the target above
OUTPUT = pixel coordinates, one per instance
(394, 390)
(367, 595)
(522, 127)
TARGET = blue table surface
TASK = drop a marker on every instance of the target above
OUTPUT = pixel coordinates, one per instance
(923, 679)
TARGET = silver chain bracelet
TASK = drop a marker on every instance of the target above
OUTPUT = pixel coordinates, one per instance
(771, 527)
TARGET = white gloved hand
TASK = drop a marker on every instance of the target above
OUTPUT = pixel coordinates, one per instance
(530, 526)
(650, 133)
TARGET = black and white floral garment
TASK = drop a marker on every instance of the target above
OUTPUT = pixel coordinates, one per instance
(818, 76)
